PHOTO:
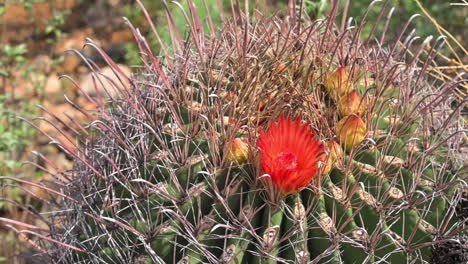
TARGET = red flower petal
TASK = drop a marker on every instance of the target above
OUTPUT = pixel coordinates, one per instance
(290, 154)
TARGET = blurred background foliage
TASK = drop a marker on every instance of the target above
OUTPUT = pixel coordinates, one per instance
(35, 35)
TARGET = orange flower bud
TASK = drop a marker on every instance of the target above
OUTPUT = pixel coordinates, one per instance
(280, 67)
(228, 95)
(335, 152)
(239, 151)
(351, 131)
(351, 104)
(338, 83)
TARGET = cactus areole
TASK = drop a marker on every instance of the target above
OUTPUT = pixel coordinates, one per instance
(290, 155)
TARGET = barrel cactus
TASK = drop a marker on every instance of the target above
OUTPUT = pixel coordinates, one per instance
(268, 140)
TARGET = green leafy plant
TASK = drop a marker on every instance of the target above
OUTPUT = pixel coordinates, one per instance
(19, 134)
(15, 135)
(12, 57)
(54, 25)
(313, 8)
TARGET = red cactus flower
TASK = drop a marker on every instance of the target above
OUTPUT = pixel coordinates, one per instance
(290, 154)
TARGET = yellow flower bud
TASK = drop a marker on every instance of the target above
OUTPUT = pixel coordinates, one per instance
(280, 67)
(351, 104)
(351, 131)
(338, 83)
(335, 152)
(239, 151)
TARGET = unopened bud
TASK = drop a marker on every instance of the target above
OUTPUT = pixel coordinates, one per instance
(338, 83)
(219, 77)
(280, 67)
(228, 95)
(351, 104)
(239, 151)
(351, 131)
(335, 152)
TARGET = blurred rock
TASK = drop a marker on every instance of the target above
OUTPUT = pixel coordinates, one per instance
(113, 3)
(88, 85)
(24, 84)
(17, 15)
(121, 36)
(41, 13)
(85, 104)
(69, 64)
(116, 51)
(76, 40)
(105, 15)
(64, 4)
(53, 85)
(55, 89)
(59, 110)
(42, 63)
(60, 161)
(39, 192)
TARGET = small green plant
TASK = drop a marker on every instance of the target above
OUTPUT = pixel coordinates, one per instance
(313, 8)
(54, 25)
(15, 135)
(13, 60)
(11, 57)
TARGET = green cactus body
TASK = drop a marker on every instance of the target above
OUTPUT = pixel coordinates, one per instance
(321, 244)
(236, 251)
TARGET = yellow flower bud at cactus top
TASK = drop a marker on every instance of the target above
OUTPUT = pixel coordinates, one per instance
(335, 152)
(239, 151)
(338, 83)
(351, 104)
(280, 67)
(351, 131)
